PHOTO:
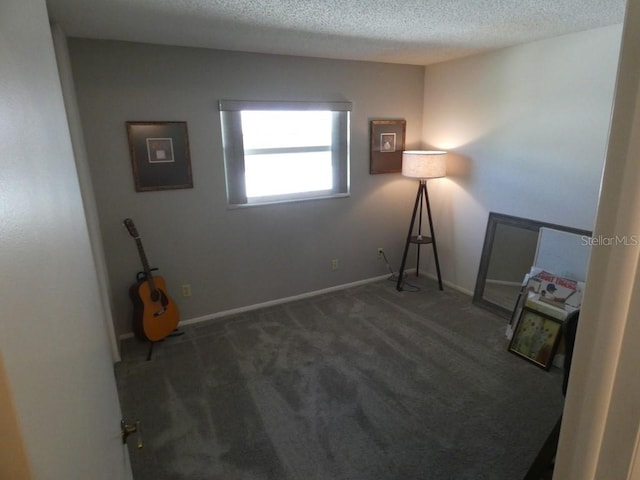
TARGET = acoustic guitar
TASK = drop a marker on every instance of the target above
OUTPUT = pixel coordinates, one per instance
(155, 314)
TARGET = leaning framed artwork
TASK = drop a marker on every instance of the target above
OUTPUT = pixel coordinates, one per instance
(536, 337)
(387, 144)
(159, 155)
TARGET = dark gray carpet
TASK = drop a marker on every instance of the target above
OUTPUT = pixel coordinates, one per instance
(363, 384)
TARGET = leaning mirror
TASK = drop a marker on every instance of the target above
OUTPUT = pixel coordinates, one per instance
(507, 256)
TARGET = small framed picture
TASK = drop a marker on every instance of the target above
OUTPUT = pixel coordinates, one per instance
(387, 144)
(536, 337)
(159, 155)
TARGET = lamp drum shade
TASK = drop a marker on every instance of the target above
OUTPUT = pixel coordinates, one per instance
(424, 163)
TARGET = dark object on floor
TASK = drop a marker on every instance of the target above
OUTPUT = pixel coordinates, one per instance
(542, 467)
(569, 331)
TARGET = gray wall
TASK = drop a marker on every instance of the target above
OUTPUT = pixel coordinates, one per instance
(528, 129)
(239, 257)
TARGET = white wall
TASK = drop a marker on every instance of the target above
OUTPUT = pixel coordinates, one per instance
(600, 437)
(528, 129)
(241, 257)
(52, 332)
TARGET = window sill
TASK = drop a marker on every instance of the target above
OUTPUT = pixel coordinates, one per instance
(281, 201)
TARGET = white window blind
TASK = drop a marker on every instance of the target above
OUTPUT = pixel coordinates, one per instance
(285, 151)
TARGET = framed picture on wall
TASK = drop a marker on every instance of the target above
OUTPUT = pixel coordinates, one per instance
(387, 144)
(536, 337)
(159, 155)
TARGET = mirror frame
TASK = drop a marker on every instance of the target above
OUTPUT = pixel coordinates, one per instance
(494, 220)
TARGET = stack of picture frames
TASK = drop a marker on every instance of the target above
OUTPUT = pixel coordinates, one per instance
(159, 155)
(547, 300)
(387, 144)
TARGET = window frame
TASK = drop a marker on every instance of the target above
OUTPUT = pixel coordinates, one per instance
(233, 149)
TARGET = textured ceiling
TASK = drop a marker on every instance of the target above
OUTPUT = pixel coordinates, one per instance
(397, 31)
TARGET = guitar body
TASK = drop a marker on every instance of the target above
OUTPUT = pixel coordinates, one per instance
(155, 314)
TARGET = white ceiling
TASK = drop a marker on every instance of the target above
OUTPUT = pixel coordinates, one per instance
(397, 31)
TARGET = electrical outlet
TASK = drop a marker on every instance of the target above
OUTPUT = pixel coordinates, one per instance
(380, 253)
(335, 264)
(186, 290)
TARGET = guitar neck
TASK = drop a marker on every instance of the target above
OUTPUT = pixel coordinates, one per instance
(145, 264)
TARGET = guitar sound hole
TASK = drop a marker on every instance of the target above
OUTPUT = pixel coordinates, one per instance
(155, 295)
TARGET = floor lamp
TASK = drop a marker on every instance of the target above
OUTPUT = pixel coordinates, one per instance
(421, 165)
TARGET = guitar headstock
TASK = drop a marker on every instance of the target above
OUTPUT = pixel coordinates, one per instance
(131, 228)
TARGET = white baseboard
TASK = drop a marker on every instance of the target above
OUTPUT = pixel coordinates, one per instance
(279, 301)
(450, 285)
(270, 303)
(503, 282)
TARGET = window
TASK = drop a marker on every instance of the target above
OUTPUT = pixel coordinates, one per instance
(285, 151)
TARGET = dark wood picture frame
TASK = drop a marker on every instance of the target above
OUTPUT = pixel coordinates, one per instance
(159, 155)
(387, 143)
(536, 337)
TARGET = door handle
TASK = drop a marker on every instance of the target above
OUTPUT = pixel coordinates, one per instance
(129, 428)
